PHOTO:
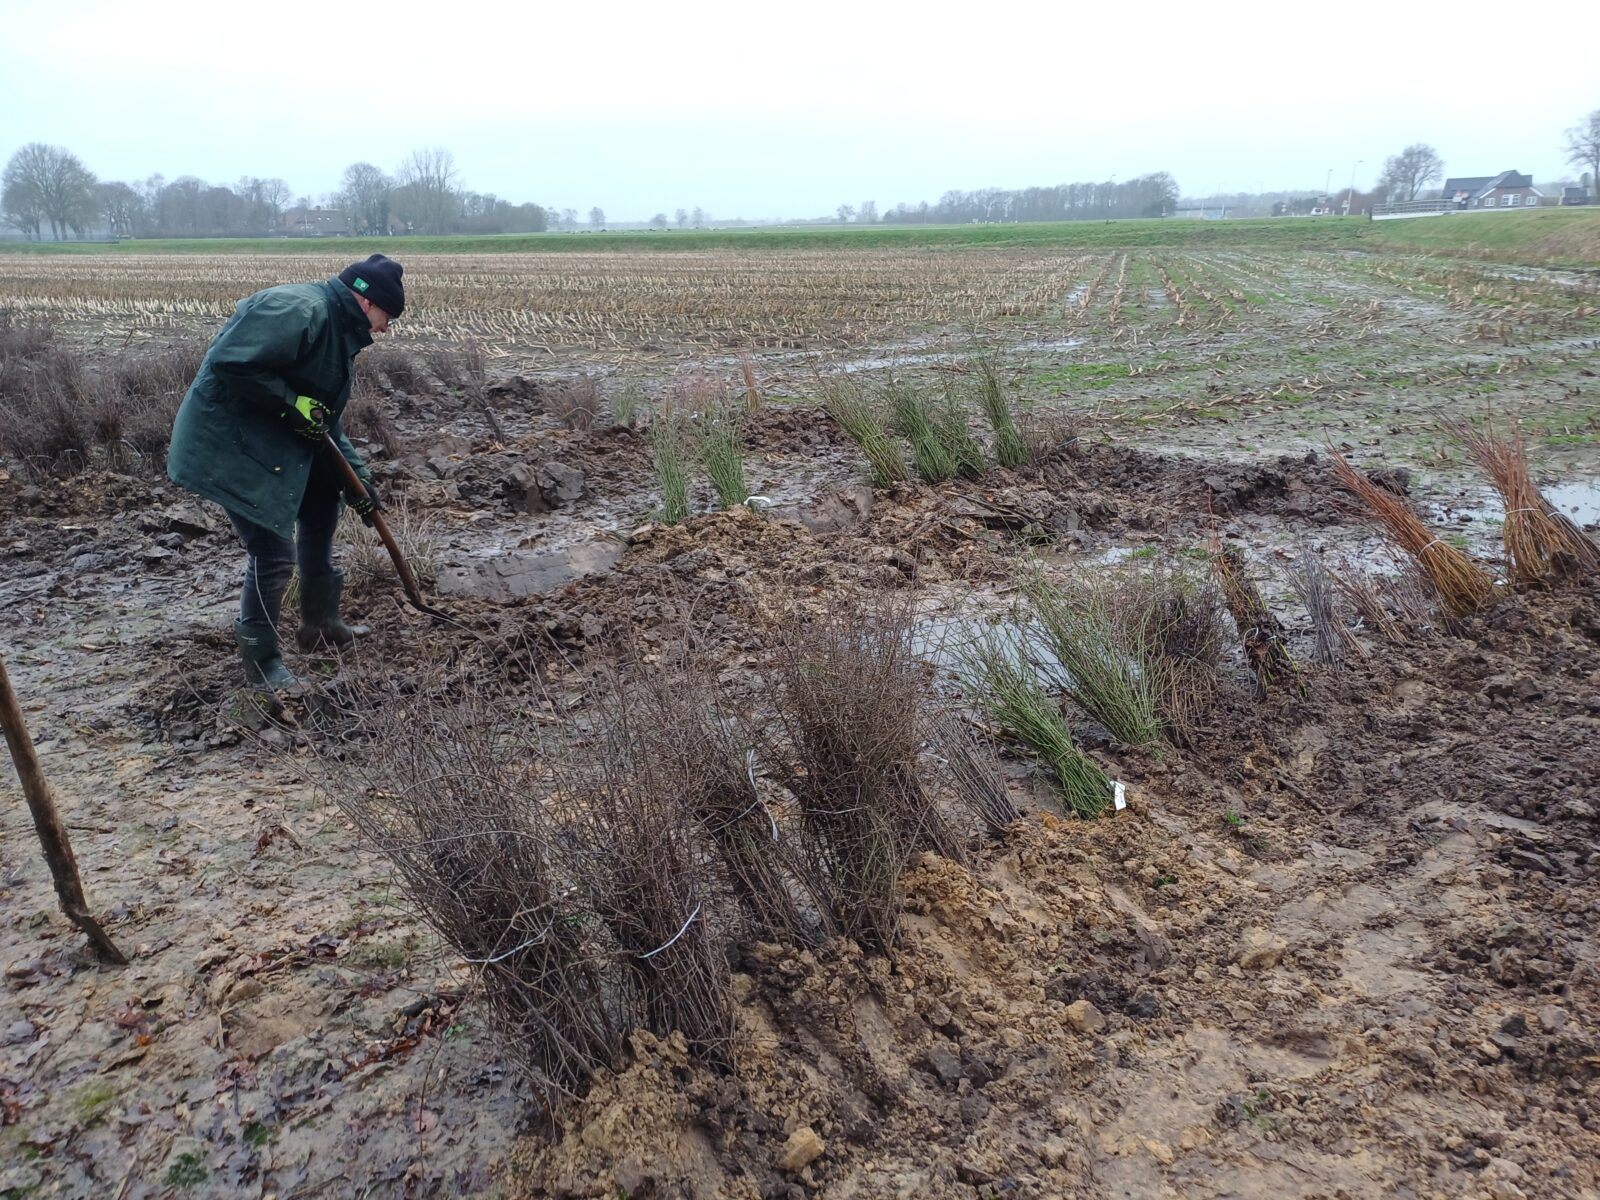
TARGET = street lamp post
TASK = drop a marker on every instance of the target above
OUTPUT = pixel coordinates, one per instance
(1350, 196)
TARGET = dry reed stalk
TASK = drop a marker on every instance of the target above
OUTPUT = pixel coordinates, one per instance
(752, 393)
(1265, 646)
(1461, 586)
(1538, 541)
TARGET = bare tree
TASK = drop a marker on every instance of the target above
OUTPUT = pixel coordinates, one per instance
(699, 217)
(429, 187)
(1583, 148)
(846, 213)
(682, 217)
(1406, 174)
(51, 182)
(21, 205)
(275, 195)
(659, 221)
(121, 206)
(597, 217)
(367, 193)
(867, 214)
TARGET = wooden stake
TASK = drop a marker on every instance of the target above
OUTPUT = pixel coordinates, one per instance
(52, 833)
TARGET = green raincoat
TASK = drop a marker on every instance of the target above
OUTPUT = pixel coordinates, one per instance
(231, 441)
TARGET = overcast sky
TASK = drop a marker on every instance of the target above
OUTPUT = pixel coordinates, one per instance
(788, 110)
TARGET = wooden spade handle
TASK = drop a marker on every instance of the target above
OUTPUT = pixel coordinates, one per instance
(354, 484)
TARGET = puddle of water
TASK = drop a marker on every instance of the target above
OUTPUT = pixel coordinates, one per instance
(513, 576)
(1051, 344)
(940, 640)
(889, 361)
(1579, 500)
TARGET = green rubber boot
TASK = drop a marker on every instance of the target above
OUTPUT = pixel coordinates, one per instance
(263, 664)
(321, 626)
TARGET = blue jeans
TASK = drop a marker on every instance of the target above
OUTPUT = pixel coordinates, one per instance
(273, 558)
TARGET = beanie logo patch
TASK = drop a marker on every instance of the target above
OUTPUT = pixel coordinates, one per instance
(360, 284)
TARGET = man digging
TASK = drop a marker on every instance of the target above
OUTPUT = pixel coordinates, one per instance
(250, 434)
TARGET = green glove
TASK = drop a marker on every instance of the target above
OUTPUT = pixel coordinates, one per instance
(307, 417)
(367, 502)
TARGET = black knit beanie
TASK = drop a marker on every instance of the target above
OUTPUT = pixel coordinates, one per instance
(378, 279)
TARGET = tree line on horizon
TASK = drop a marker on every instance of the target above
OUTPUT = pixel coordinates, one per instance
(1154, 195)
(47, 191)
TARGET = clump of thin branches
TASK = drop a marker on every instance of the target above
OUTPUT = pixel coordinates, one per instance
(848, 403)
(1176, 631)
(461, 368)
(994, 398)
(1365, 597)
(447, 364)
(1461, 586)
(851, 707)
(707, 756)
(1048, 432)
(366, 417)
(913, 419)
(950, 420)
(974, 772)
(1539, 540)
(456, 797)
(1001, 685)
(721, 446)
(385, 367)
(1399, 608)
(115, 408)
(1316, 588)
(640, 867)
(1266, 647)
(22, 338)
(628, 406)
(1087, 647)
(574, 402)
(671, 452)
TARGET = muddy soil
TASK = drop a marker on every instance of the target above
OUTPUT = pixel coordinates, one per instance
(1342, 945)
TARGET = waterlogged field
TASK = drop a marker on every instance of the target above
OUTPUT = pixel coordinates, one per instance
(750, 826)
(1239, 347)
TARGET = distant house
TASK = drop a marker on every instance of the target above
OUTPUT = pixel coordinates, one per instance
(316, 222)
(1574, 195)
(1509, 189)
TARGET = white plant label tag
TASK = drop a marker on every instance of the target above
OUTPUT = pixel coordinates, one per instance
(1119, 795)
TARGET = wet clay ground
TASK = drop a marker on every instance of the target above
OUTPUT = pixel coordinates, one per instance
(1341, 946)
